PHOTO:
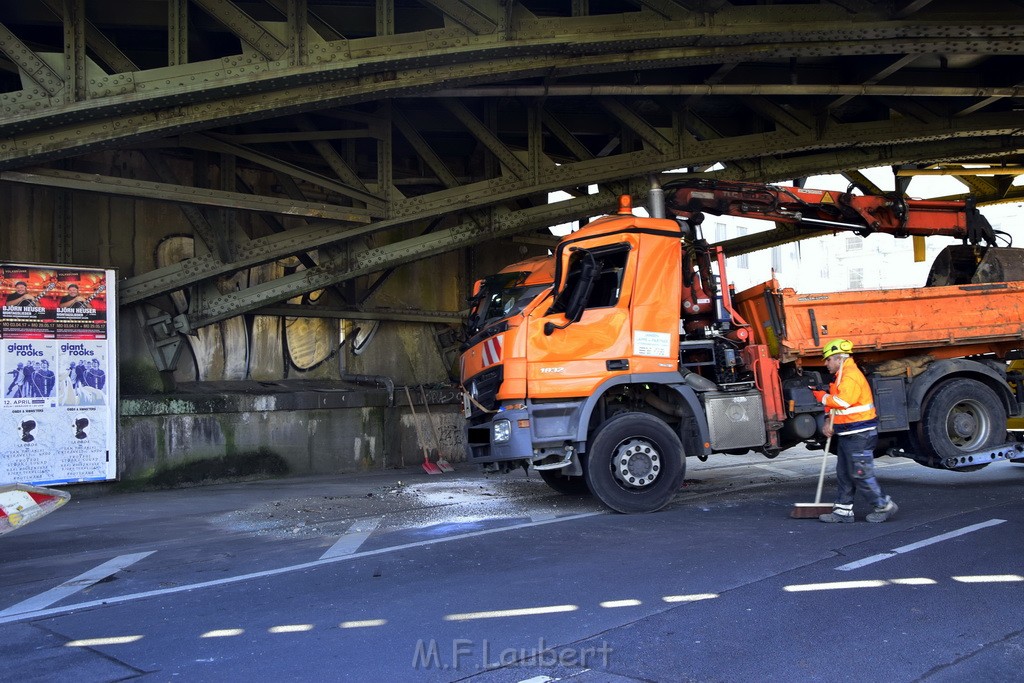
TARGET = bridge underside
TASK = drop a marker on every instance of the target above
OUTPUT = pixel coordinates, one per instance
(352, 137)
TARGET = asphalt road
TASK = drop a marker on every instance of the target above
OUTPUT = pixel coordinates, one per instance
(403, 576)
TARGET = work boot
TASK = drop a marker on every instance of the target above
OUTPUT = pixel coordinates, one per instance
(884, 512)
(841, 514)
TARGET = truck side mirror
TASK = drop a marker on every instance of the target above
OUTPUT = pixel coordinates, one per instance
(589, 272)
(580, 294)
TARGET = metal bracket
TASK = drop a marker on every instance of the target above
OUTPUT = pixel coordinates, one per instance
(1013, 452)
(163, 335)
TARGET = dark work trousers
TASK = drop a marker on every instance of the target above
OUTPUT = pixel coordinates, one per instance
(855, 468)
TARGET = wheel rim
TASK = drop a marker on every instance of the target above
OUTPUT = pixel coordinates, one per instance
(968, 425)
(637, 463)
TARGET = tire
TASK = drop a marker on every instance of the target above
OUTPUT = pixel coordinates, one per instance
(962, 416)
(635, 463)
(565, 484)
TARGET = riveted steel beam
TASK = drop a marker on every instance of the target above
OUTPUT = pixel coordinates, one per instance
(475, 17)
(503, 223)
(879, 75)
(783, 118)
(863, 183)
(74, 50)
(47, 82)
(98, 43)
(699, 82)
(855, 146)
(506, 223)
(177, 32)
(215, 144)
(256, 80)
(667, 9)
(215, 240)
(250, 32)
(647, 133)
(400, 315)
(905, 9)
(145, 189)
(488, 139)
(422, 147)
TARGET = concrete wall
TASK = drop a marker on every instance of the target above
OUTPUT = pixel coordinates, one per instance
(314, 432)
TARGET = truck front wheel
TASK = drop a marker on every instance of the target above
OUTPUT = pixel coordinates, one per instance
(962, 416)
(635, 463)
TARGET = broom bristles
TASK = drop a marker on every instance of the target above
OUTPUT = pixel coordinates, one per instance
(810, 510)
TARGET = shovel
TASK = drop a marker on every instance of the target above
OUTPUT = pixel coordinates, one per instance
(428, 467)
(442, 462)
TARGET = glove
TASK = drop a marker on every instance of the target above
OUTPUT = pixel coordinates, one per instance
(818, 395)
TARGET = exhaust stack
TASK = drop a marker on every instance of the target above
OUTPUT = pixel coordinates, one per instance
(656, 199)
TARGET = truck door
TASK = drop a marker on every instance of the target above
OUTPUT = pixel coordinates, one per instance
(569, 358)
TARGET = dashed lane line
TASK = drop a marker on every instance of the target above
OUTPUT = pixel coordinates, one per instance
(79, 583)
(919, 544)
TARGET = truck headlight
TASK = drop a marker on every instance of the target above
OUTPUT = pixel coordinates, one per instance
(502, 431)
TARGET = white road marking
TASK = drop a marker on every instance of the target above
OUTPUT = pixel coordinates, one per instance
(8, 618)
(919, 544)
(79, 583)
(356, 536)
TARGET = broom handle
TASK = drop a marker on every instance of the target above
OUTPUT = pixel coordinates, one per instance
(828, 442)
(821, 477)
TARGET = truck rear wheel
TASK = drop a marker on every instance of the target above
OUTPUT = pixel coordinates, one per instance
(962, 416)
(565, 484)
(635, 463)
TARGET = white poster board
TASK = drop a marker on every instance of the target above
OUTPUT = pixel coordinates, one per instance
(59, 335)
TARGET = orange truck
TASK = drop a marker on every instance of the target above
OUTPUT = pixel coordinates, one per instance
(641, 354)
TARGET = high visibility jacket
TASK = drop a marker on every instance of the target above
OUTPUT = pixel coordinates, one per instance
(850, 401)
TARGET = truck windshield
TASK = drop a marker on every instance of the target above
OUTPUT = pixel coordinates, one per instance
(501, 296)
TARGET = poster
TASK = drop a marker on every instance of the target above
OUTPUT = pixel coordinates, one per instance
(58, 423)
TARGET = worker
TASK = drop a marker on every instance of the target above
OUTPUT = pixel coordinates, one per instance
(853, 421)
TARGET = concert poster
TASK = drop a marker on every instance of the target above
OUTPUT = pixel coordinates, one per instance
(29, 296)
(59, 373)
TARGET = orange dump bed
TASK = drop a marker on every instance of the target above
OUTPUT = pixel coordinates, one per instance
(946, 321)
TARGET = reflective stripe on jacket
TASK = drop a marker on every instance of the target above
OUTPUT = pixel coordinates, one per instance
(850, 402)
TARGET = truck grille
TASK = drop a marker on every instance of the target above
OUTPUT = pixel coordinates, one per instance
(484, 389)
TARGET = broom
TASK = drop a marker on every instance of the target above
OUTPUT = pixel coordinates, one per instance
(812, 510)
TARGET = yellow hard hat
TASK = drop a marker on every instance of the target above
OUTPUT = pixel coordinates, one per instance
(837, 346)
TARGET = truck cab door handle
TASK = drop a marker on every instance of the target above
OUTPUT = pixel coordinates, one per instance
(617, 364)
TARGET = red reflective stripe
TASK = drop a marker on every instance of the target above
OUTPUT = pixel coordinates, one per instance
(491, 352)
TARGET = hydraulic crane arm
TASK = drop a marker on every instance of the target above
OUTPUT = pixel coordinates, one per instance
(830, 210)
